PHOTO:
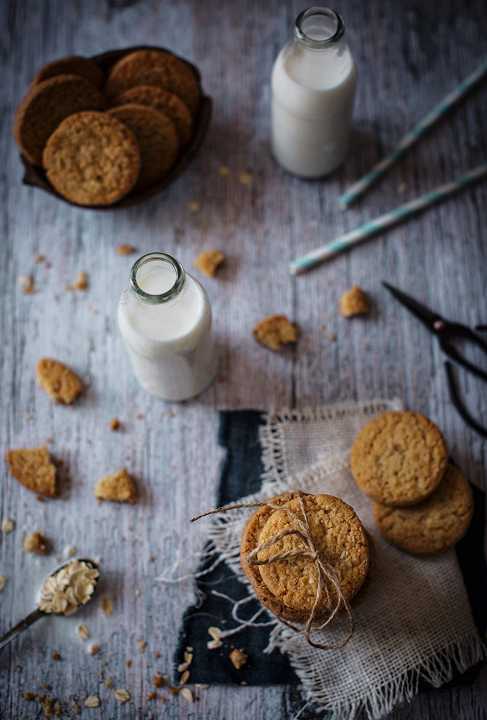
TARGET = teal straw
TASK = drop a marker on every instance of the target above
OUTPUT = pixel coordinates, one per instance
(392, 217)
(412, 137)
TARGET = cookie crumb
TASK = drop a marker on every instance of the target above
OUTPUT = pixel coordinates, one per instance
(142, 645)
(92, 701)
(33, 468)
(80, 283)
(224, 170)
(122, 695)
(275, 331)
(39, 259)
(187, 694)
(194, 206)
(245, 178)
(83, 632)
(238, 658)
(36, 543)
(61, 383)
(354, 302)
(125, 249)
(27, 284)
(69, 551)
(106, 605)
(108, 683)
(117, 487)
(94, 649)
(152, 695)
(209, 261)
(56, 656)
(115, 424)
(129, 663)
(159, 680)
(7, 525)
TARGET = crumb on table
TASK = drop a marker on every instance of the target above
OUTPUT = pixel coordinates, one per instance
(275, 331)
(125, 249)
(36, 543)
(209, 261)
(354, 302)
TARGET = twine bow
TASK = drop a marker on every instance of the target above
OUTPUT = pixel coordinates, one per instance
(326, 573)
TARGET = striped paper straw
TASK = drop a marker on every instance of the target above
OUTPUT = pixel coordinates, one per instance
(384, 221)
(358, 188)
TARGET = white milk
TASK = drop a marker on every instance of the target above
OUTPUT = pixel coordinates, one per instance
(313, 89)
(165, 320)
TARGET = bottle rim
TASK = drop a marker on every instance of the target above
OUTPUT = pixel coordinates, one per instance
(172, 292)
(318, 43)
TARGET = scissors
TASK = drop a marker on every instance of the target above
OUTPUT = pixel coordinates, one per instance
(447, 332)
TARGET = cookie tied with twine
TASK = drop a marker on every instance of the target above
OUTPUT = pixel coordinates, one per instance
(306, 556)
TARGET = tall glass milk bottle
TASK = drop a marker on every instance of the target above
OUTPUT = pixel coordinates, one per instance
(313, 89)
(164, 317)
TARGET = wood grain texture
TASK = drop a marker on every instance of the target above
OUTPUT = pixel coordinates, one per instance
(409, 55)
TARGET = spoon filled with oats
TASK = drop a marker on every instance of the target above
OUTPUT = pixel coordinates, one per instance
(63, 592)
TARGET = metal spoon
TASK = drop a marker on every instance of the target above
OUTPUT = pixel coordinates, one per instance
(38, 613)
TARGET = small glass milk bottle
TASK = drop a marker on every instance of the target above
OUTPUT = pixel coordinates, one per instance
(164, 317)
(313, 89)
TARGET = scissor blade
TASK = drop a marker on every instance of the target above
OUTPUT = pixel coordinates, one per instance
(420, 311)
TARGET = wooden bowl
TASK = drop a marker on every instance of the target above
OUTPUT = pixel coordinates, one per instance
(36, 176)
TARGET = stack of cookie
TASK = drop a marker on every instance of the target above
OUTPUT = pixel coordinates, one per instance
(422, 503)
(288, 586)
(99, 138)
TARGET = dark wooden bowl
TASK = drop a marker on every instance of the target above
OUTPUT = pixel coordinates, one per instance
(35, 176)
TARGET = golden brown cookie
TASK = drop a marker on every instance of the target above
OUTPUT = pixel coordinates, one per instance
(354, 302)
(433, 525)
(92, 159)
(33, 469)
(155, 67)
(399, 458)
(36, 543)
(157, 139)
(59, 381)
(46, 105)
(275, 331)
(209, 261)
(117, 487)
(162, 100)
(288, 587)
(73, 65)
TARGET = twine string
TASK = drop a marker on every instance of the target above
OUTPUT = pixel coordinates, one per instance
(326, 574)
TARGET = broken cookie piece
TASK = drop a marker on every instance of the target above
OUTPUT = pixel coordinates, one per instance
(59, 381)
(36, 543)
(354, 302)
(238, 658)
(209, 261)
(275, 331)
(33, 469)
(117, 487)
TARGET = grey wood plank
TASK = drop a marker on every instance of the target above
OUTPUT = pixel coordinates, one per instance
(409, 54)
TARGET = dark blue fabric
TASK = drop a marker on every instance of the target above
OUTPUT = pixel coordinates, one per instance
(241, 475)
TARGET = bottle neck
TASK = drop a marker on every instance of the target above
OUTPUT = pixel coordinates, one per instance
(157, 278)
(319, 28)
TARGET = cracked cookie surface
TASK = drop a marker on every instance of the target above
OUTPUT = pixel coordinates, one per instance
(434, 525)
(288, 587)
(399, 458)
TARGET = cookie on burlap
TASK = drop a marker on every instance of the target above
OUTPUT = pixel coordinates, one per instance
(59, 381)
(33, 469)
(155, 67)
(46, 105)
(164, 101)
(117, 487)
(433, 525)
(72, 65)
(156, 137)
(288, 587)
(92, 159)
(399, 458)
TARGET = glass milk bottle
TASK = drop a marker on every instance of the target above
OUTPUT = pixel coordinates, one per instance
(313, 89)
(164, 317)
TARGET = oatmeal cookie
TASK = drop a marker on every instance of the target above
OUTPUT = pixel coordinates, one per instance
(399, 458)
(433, 525)
(73, 65)
(59, 381)
(33, 469)
(162, 100)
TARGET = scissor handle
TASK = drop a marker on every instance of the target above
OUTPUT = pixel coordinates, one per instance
(452, 331)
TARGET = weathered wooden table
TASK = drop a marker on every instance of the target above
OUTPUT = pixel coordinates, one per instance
(409, 55)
